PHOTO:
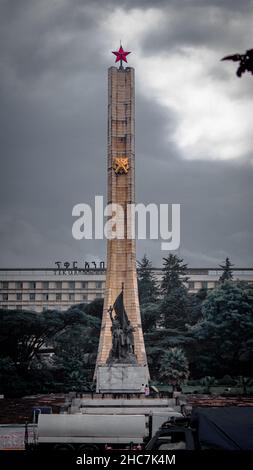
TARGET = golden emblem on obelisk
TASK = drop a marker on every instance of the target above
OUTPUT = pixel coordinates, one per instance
(120, 165)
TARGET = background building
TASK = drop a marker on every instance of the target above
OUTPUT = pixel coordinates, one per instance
(38, 288)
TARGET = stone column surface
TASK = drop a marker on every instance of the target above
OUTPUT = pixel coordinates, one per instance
(121, 253)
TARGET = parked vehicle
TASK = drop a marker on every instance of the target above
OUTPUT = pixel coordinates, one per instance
(221, 428)
(227, 428)
(92, 432)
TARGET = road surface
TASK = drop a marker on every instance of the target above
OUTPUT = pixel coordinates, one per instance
(12, 436)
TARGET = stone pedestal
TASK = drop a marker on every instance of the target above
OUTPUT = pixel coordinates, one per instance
(121, 378)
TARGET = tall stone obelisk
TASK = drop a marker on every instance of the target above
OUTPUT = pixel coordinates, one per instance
(121, 253)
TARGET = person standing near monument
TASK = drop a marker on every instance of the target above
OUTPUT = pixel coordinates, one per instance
(147, 391)
(129, 337)
(117, 336)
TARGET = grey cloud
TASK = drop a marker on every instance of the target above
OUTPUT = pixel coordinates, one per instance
(201, 25)
(40, 39)
(53, 140)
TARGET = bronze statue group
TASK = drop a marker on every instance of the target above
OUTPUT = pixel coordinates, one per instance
(122, 350)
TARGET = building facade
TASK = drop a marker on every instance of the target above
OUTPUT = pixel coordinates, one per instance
(40, 289)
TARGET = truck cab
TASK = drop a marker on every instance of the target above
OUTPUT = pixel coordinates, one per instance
(174, 434)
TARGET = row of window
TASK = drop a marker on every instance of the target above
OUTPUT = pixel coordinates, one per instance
(71, 296)
(45, 285)
(201, 284)
(33, 297)
(58, 297)
(84, 285)
(33, 307)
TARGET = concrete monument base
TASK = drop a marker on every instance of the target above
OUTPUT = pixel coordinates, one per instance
(121, 378)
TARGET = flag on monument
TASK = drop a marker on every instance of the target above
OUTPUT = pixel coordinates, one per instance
(120, 310)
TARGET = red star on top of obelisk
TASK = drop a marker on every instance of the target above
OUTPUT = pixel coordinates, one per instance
(121, 55)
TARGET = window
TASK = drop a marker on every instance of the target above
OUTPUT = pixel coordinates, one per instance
(19, 296)
(85, 285)
(32, 296)
(58, 285)
(58, 296)
(5, 284)
(71, 284)
(191, 284)
(71, 296)
(5, 307)
(5, 297)
(45, 296)
(85, 297)
(19, 285)
(173, 443)
(204, 284)
(98, 285)
(44, 308)
(18, 307)
(98, 296)
(32, 285)
(45, 285)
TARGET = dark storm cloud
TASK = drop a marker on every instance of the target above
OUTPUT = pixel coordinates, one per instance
(231, 5)
(43, 36)
(210, 24)
(53, 82)
(216, 214)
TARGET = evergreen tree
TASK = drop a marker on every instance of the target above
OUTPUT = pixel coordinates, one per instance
(195, 305)
(227, 274)
(175, 305)
(150, 316)
(174, 273)
(148, 291)
(224, 335)
(176, 309)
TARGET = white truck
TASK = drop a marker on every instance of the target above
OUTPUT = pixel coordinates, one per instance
(226, 428)
(93, 432)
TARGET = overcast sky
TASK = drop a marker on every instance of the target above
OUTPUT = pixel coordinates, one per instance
(194, 135)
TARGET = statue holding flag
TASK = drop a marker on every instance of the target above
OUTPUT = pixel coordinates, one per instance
(122, 350)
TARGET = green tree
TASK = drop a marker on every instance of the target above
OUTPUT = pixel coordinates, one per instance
(150, 316)
(147, 286)
(94, 308)
(195, 305)
(224, 335)
(227, 274)
(175, 309)
(75, 348)
(175, 304)
(74, 335)
(23, 333)
(174, 367)
(159, 340)
(165, 321)
(174, 274)
(75, 355)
